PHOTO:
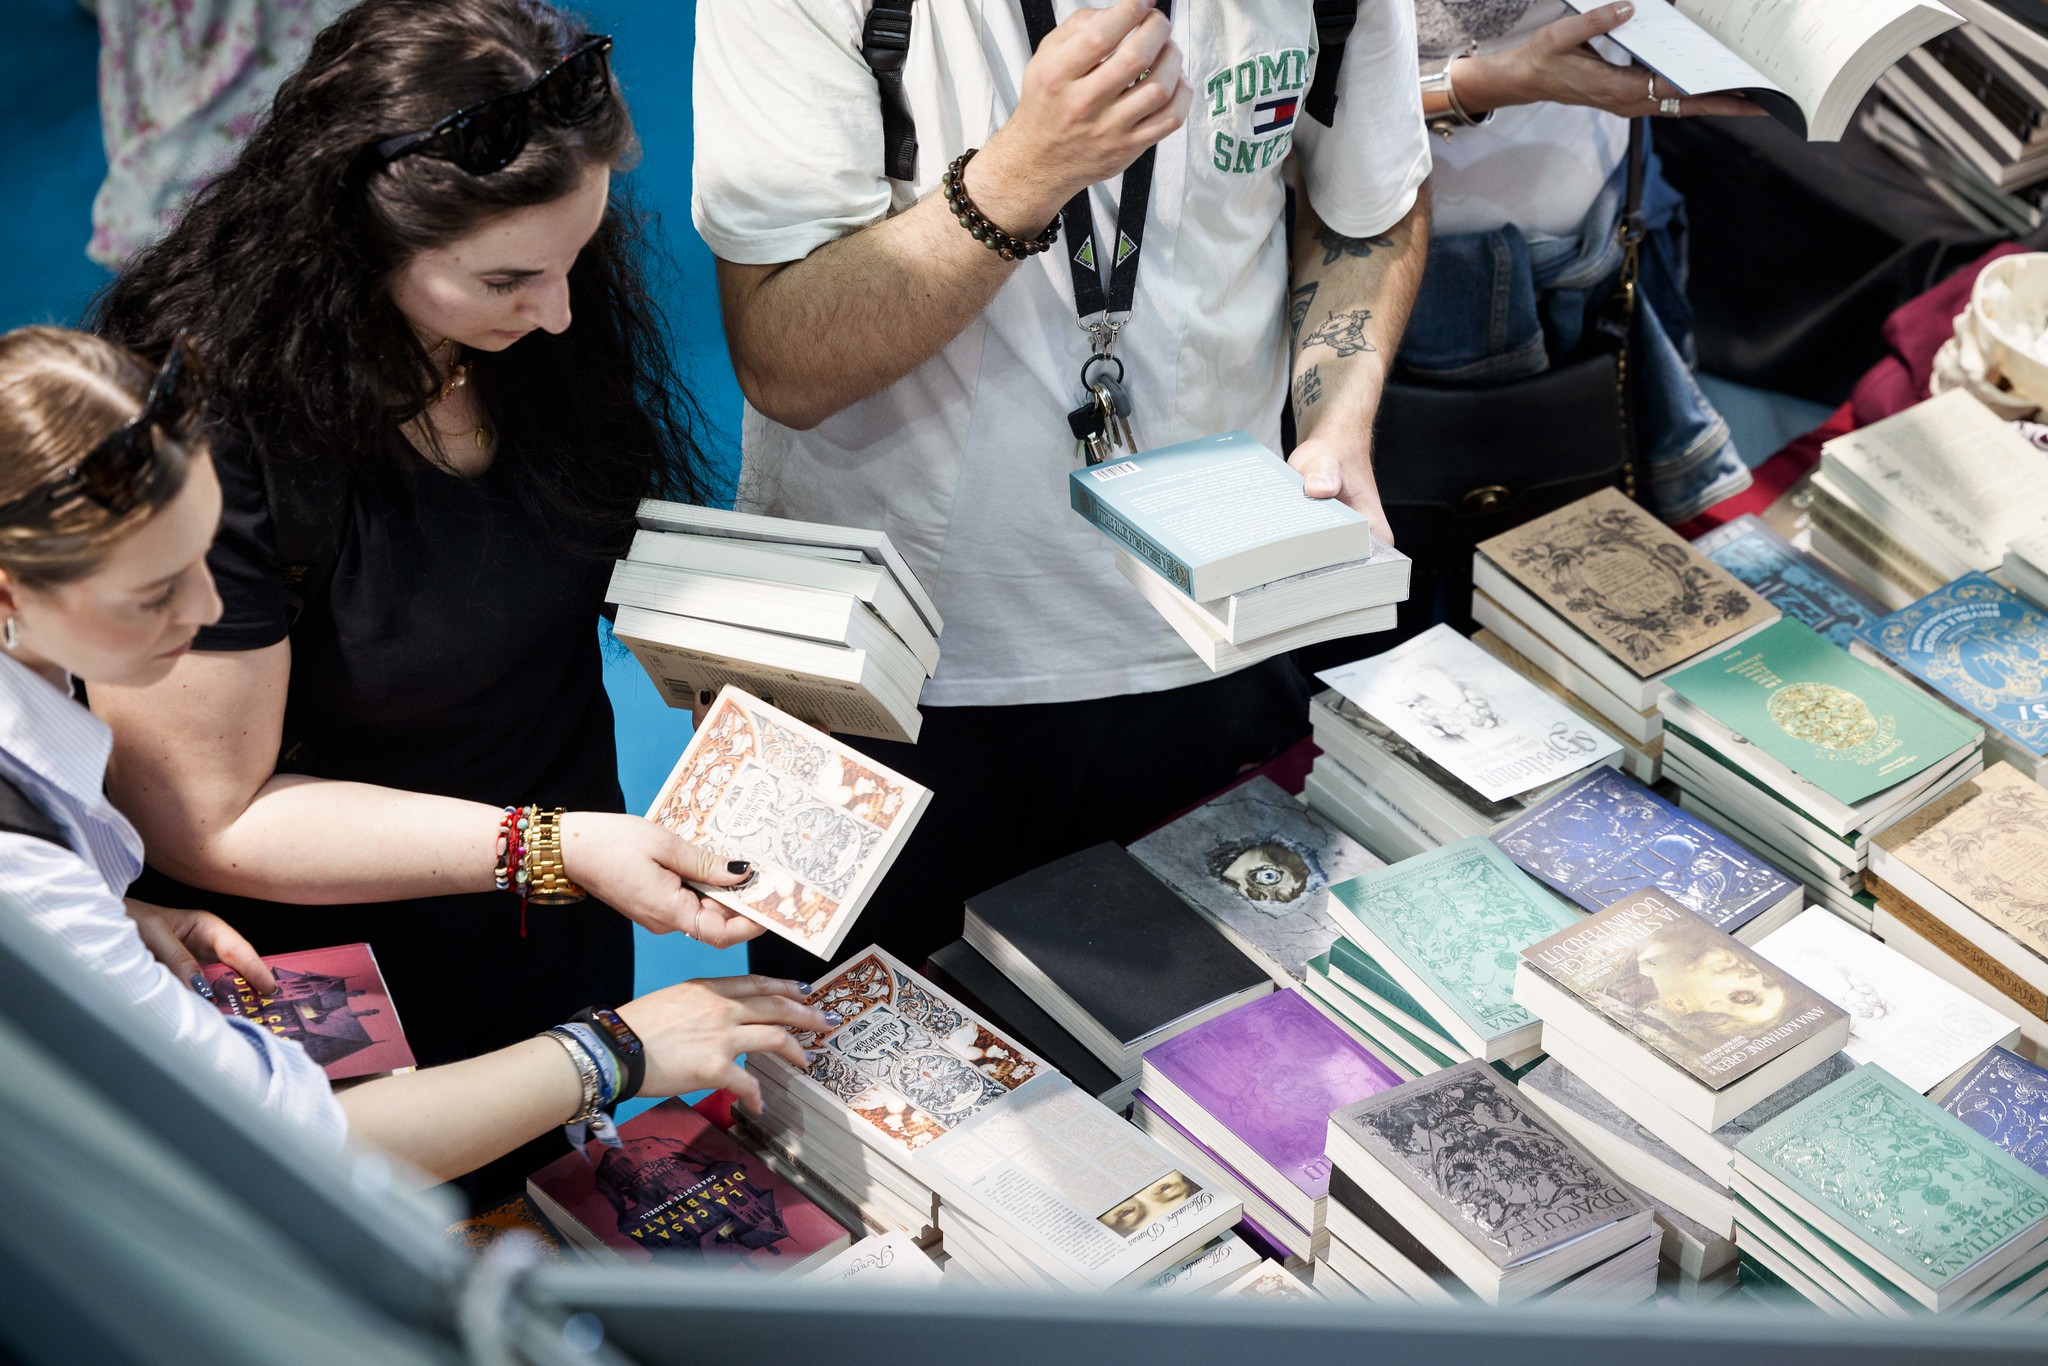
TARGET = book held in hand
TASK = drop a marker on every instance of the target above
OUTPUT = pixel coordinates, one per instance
(678, 1189)
(820, 822)
(333, 1002)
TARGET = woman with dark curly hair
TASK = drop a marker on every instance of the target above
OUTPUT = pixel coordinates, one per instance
(427, 470)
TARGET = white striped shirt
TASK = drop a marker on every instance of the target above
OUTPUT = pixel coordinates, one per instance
(56, 751)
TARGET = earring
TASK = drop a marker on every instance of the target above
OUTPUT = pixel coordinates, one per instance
(10, 634)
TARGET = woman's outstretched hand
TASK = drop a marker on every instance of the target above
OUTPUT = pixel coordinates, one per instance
(694, 1032)
(1556, 65)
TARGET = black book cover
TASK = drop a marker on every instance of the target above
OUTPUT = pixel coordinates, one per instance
(961, 971)
(1120, 943)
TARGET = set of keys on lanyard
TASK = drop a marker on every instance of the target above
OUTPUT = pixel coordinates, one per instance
(1103, 421)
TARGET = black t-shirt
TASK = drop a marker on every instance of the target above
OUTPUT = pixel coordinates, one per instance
(454, 652)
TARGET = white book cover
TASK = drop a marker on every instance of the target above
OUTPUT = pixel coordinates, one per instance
(820, 822)
(1494, 729)
(1901, 1016)
(886, 1259)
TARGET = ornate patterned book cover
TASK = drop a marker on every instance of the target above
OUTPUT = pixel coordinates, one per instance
(2005, 1098)
(1911, 1182)
(820, 822)
(1499, 1173)
(1700, 999)
(332, 1001)
(1921, 1029)
(515, 1218)
(1270, 1073)
(1457, 917)
(1259, 866)
(1497, 731)
(679, 1190)
(1985, 843)
(1607, 835)
(1627, 581)
(1798, 585)
(1982, 647)
(1837, 722)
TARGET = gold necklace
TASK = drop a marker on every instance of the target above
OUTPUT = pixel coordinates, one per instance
(458, 375)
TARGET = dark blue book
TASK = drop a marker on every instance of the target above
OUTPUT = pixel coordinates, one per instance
(2005, 1098)
(1607, 837)
(1789, 579)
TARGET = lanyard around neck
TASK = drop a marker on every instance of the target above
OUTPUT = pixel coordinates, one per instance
(1101, 314)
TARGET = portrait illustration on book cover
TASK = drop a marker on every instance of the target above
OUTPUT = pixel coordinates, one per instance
(1691, 989)
(675, 1201)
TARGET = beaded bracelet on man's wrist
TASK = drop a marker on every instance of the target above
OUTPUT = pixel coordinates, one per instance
(1011, 248)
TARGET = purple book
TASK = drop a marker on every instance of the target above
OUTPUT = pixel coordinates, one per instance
(1258, 1085)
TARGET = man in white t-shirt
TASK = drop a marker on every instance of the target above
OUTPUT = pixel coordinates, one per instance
(900, 375)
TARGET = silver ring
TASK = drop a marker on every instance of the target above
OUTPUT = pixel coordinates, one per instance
(1142, 75)
(1652, 95)
(1670, 108)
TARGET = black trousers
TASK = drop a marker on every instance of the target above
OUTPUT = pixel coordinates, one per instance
(1018, 786)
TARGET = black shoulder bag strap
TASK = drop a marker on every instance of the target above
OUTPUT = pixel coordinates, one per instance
(1334, 22)
(884, 44)
(20, 816)
(1619, 322)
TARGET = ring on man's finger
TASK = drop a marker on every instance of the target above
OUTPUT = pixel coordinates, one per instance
(1652, 95)
(1671, 107)
(1142, 75)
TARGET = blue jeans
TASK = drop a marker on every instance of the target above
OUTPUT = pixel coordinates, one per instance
(1504, 305)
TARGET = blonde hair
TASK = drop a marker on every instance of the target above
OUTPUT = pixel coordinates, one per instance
(61, 394)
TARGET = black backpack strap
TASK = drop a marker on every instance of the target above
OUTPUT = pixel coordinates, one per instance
(308, 506)
(20, 816)
(1334, 22)
(884, 44)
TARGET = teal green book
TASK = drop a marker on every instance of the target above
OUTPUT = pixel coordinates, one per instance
(1918, 1195)
(1450, 925)
(1429, 1048)
(1841, 724)
(1347, 957)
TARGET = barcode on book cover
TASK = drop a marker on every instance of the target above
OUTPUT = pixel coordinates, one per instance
(1116, 471)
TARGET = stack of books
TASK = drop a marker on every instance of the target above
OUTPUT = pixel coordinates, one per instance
(1803, 752)
(1110, 952)
(1357, 993)
(1641, 759)
(2005, 1098)
(1981, 648)
(1258, 867)
(1920, 499)
(1210, 1271)
(1607, 835)
(825, 621)
(1870, 1200)
(1610, 602)
(1903, 1017)
(1034, 1183)
(1245, 1099)
(1221, 538)
(2026, 566)
(961, 972)
(1453, 1188)
(1798, 583)
(1384, 792)
(1958, 890)
(884, 1259)
(1445, 927)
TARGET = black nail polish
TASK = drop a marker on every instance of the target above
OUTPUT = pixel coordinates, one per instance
(739, 865)
(198, 981)
(832, 1018)
(804, 987)
(704, 697)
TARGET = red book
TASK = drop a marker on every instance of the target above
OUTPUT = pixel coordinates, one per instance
(679, 1189)
(333, 1001)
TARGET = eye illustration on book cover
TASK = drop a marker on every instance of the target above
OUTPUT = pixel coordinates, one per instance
(675, 1201)
(907, 1060)
(1132, 1216)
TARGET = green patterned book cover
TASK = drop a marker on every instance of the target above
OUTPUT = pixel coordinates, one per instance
(1453, 923)
(1837, 722)
(1912, 1183)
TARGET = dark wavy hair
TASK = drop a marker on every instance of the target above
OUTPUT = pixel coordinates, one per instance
(280, 270)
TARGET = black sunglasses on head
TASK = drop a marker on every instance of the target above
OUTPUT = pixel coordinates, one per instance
(487, 136)
(123, 465)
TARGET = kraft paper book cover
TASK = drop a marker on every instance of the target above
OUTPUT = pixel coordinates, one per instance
(1699, 998)
(1627, 582)
(1837, 722)
(1986, 845)
(1982, 647)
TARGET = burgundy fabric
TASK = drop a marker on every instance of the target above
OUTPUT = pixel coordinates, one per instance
(1912, 334)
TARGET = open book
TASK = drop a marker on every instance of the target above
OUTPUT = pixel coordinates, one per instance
(1808, 62)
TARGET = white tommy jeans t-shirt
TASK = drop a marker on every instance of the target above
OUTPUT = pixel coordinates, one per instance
(964, 462)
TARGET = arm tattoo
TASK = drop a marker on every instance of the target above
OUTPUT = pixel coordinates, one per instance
(1343, 333)
(1308, 388)
(1335, 245)
(1297, 307)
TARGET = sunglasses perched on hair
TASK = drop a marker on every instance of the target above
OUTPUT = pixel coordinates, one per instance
(486, 137)
(122, 466)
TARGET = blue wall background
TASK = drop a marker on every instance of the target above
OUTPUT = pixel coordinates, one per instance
(51, 162)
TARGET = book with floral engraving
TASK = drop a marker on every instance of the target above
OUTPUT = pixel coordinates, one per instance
(2005, 1098)
(1976, 858)
(1607, 835)
(1258, 866)
(820, 822)
(333, 1002)
(678, 1189)
(1627, 582)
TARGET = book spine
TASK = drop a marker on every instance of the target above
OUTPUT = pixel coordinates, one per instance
(1176, 571)
(1884, 551)
(1936, 932)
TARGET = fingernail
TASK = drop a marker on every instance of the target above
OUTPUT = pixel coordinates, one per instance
(832, 1018)
(804, 988)
(198, 981)
(738, 866)
(1624, 9)
(704, 697)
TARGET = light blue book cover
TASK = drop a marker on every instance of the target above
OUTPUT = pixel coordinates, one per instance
(2005, 1098)
(1789, 579)
(1186, 508)
(1607, 836)
(1458, 918)
(1980, 645)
